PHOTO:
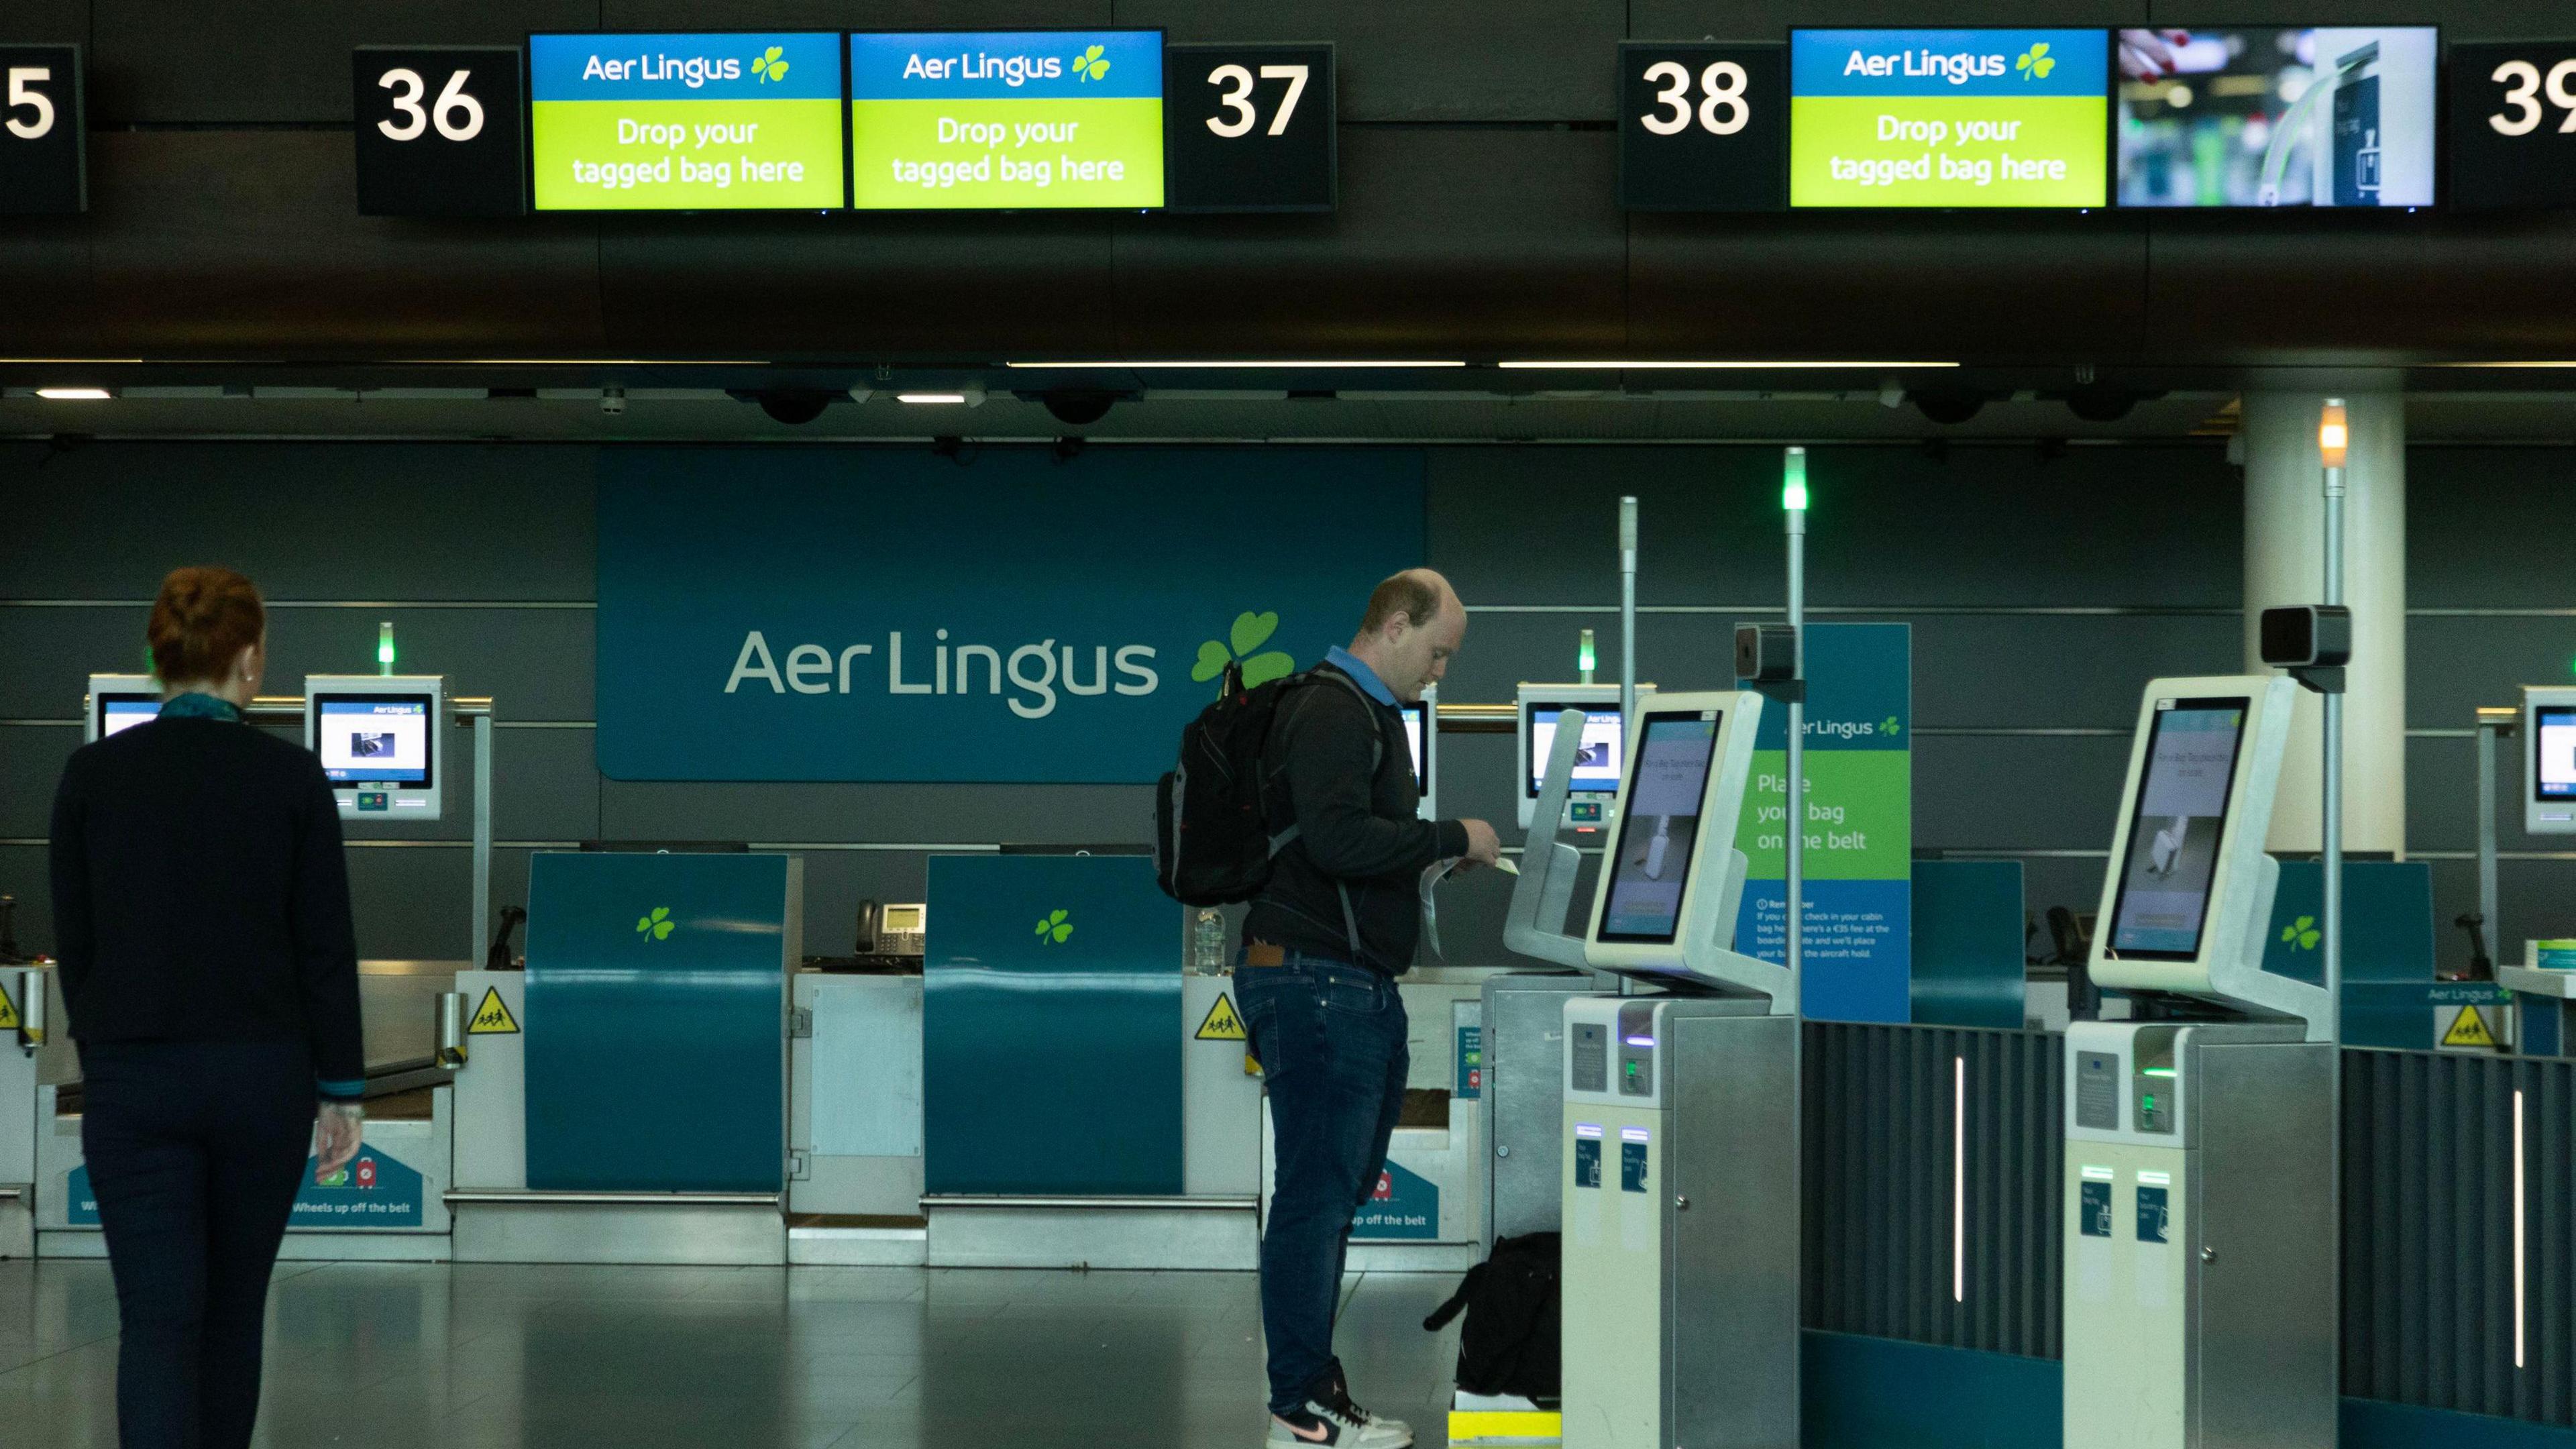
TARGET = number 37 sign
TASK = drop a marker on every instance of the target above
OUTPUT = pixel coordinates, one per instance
(1703, 127)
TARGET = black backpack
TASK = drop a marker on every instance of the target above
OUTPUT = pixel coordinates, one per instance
(1511, 1342)
(1212, 838)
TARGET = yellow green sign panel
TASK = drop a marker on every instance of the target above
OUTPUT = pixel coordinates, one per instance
(1020, 120)
(747, 122)
(1949, 118)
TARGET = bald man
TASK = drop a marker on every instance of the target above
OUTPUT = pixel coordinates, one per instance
(1323, 944)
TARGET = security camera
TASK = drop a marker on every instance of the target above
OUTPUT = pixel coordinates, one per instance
(612, 401)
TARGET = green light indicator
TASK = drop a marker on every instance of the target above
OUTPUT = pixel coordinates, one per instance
(2147, 1102)
(385, 647)
(1793, 479)
(1584, 656)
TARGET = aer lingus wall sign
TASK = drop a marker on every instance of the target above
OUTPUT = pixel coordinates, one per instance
(887, 614)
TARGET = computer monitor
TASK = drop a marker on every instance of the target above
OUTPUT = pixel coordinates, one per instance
(2549, 722)
(1669, 884)
(2187, 896)
(119, 702)
(1596, 768)
(380, 742)
(1422, 737)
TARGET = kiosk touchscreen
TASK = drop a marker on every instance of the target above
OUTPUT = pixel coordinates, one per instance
(378, 738)
(2549, 722)
(1422, 737)
(1596, 764)
(119, 702)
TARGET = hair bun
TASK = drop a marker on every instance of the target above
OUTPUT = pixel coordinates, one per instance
(202, 621)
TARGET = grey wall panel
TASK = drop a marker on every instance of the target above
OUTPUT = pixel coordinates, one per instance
(31, 765)
(941, 814)
(2442, 796)
(1449, 243)
(46, 300)
(855, 15)
(2460, 19)
(2468, 510)
(439, 521)
(2455, 665)
(161, 60)
(1771, 19)
(1990, 794)
(2030, 286)
(1432, 60)
(249, 243)
(46, 22)
(1534, 525)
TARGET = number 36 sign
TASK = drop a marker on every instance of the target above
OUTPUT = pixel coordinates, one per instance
(440, 131)
(1703, 127)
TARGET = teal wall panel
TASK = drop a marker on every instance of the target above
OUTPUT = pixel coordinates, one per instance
(1051, 1027)
(1970, 963)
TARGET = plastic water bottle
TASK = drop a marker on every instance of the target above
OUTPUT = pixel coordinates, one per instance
(1207, 942)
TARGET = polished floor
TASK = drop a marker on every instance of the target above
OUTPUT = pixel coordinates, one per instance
(408, 1356)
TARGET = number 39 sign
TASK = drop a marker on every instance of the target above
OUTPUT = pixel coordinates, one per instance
(2513, 126)
(1703, 127)
(440, 131)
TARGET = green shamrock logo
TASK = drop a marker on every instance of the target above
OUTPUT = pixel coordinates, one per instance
(768, 67)
(1055, 927)
(1089, 66)
(2036, 62)
(658, 925)
(1250, 632)
(1888, 726)
(2302, 933)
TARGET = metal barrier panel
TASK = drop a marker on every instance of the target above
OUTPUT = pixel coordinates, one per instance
(1932, 1185)
(2434, 1314)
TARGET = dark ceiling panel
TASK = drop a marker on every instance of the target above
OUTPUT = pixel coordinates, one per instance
(1887, 285)
(1772, 19)
(249, 244)
(854, 14)
(44, 22)
(1448, 242)
(1431, 60)
(173, 61)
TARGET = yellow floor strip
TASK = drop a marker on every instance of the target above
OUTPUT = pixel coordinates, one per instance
(1505, 1427)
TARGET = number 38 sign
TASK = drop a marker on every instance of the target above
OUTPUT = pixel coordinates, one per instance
(2513, 126)
(440, 131)
(1703, 127)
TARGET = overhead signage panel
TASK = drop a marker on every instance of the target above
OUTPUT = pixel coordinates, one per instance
(1250, 128)
(2513, 126)
(1007, 120)
(440, 131)
(2272, 116)
(1704, 127)
(727, 122)
(1949, 118)
(42, 132)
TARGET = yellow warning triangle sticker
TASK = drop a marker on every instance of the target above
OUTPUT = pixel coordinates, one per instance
(2469, 1030)
(8, 1011)
(1221, 1024)
(493, 1017)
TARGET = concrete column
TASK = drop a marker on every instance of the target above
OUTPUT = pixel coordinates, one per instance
(2285, 564)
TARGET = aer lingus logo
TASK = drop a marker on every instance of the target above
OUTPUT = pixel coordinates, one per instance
(769, 66)
(2302, 934)
(1250, 632)
(1091, 65)
(1055, 928)
(658, 925)
(2036, 62)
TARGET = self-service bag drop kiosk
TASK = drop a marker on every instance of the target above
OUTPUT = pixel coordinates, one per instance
(1679, 1175)
(2200, 1222)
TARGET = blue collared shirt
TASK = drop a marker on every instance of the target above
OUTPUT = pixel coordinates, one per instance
(1351, 664)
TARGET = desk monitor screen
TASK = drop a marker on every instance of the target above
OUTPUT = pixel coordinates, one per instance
(374, 739)
(1596, 767)
(115, 713)
(2553, 742)
(1660, 828)
(2171, 855)
(1413, 741)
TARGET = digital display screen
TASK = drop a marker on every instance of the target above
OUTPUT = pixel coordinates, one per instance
(2259, 116)
(1660, 828)
(1413, 741)
(2172, 855)
(2554, 753)
(727, 122)
(119, 712)
(993, 120)
(1949, 118)
(1596, 763)
(374, 739)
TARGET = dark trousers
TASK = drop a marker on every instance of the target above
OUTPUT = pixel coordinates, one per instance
(195, 1151)
(1330, 1037)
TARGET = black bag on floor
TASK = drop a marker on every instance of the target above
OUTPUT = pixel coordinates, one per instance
(1510, 1344)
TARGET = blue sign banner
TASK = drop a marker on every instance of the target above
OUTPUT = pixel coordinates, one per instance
(1007, 65)
(1404, 1207)
(376, 1190)
(889, 615)
(1950, 63)
(795, 67)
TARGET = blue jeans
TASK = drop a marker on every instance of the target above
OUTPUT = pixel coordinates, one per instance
(1331, 1040)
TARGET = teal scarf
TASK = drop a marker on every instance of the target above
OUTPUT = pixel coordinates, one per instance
(200, 706)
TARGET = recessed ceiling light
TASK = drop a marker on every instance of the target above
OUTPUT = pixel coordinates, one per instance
(1781, 365)
(930, 397)
(74, 394)
(1236, 365)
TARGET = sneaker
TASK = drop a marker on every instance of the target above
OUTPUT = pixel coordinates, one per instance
(1317, 1424)
(1337, 1396)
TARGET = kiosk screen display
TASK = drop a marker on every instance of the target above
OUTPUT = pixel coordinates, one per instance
(2277, 116)
(1660, 828)
(1596, 765)
(2172, 854)
(2553, 776)
(1413, 741)
(374, 739)
(117, 712)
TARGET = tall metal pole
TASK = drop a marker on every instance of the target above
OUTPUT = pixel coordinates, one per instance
(1793, 507)
(1627, 616)
(2332, 438)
